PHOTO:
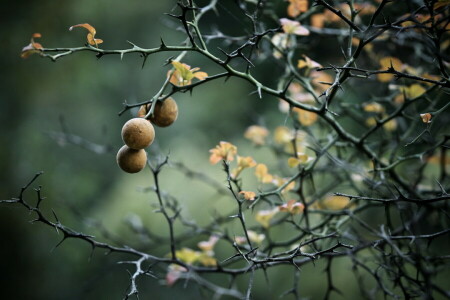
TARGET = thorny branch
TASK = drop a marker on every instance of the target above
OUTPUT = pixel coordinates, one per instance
(392, 213)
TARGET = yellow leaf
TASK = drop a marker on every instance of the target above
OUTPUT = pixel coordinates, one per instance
(262, 174)
(335, 202)
(243, 163)
(300, 159)
(223, 151)
(413, 91)
(263, 217)
(306, 118)
(372, 121)
(278, 181)
(256, 134)
(187, 255)
(283, 135)
(373, 107)
(292, 207)
(207, 260)
(390, 125)
(250, 196)
(293, 162)
(183, 74)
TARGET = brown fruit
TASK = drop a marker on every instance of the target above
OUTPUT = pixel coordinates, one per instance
(165, 113)
(138, 133)
(131, 160)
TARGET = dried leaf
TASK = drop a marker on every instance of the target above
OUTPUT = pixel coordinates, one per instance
(426, 118)
(33, 47)
(91, 35)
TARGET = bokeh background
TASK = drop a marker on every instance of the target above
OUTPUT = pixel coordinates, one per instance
(81, 95)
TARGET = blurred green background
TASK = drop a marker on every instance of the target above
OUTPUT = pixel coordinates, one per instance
(81, 95)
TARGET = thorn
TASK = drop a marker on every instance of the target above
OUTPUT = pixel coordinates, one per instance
(57, 245)
(144, 61)
(56, 217)
(163, 45)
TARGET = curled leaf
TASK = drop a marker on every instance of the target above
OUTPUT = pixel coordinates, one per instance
(91, 35)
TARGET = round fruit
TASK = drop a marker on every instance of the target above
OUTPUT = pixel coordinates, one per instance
(131, 160)
(138, 133)
(166, 112)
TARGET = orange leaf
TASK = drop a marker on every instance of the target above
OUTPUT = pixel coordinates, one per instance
(32, 47)
(200, 75)
(91, 35)
(90, 28)
(296, 7)
(426, 117)
(250, 196)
